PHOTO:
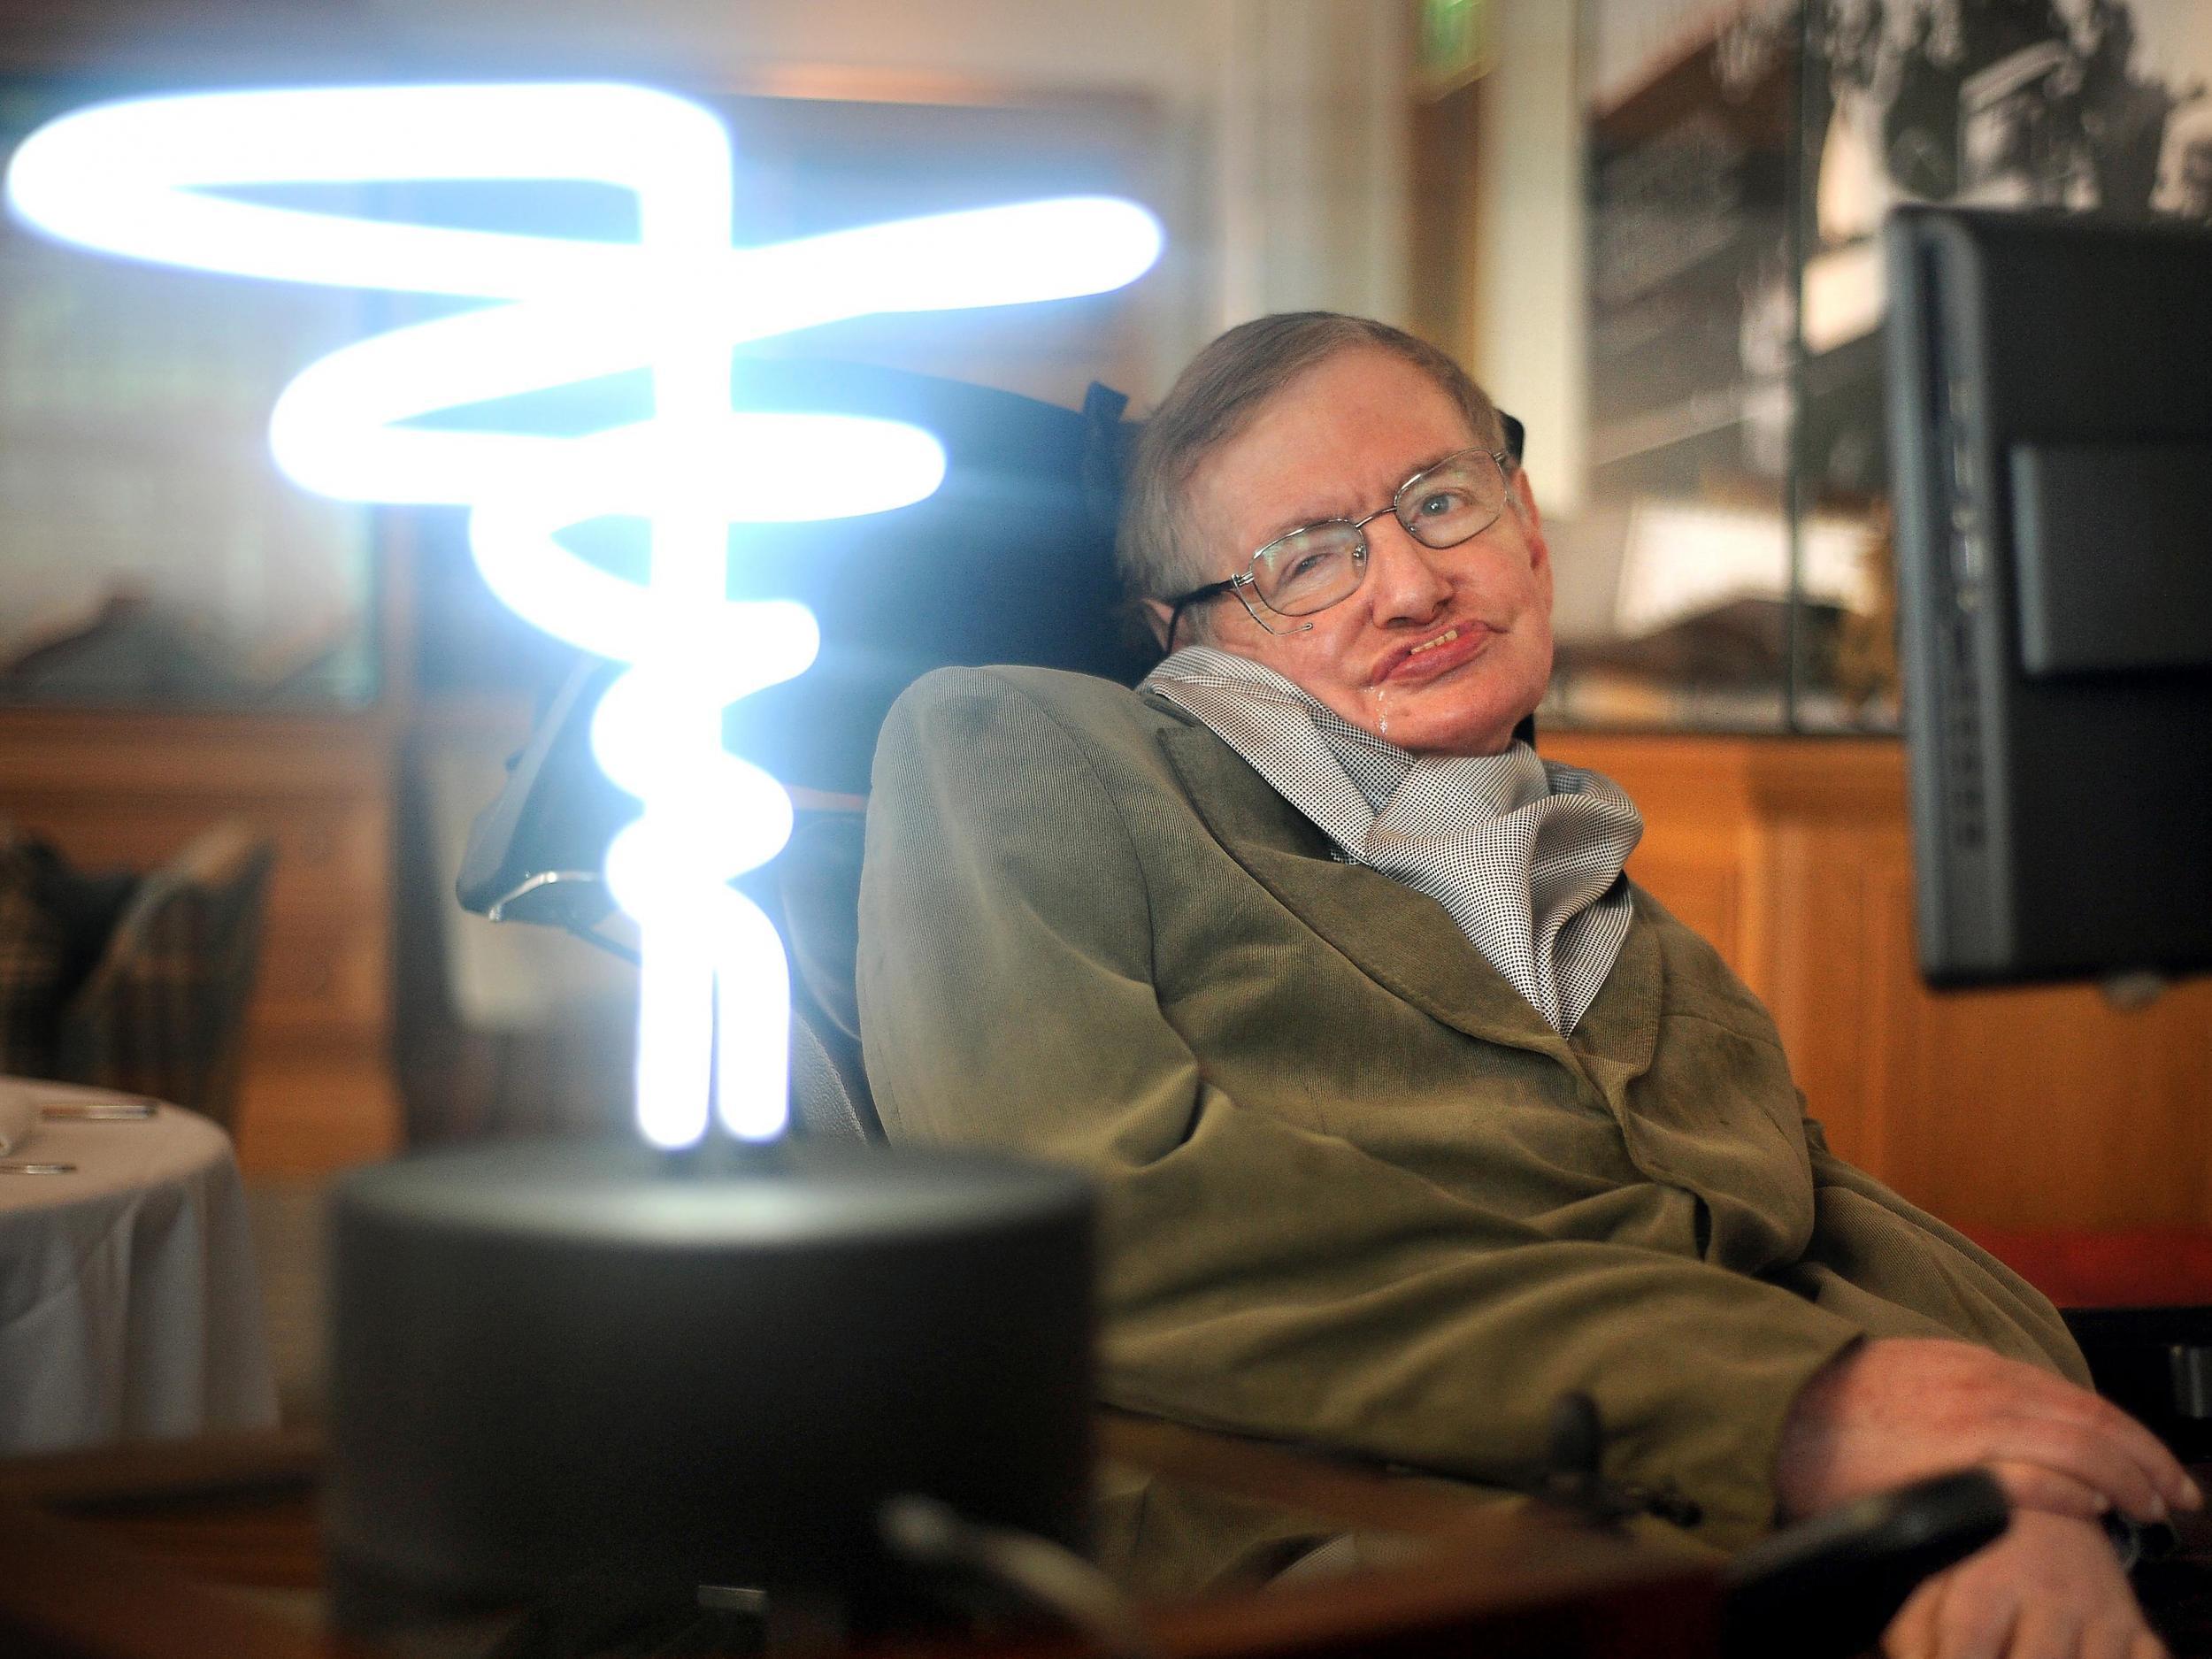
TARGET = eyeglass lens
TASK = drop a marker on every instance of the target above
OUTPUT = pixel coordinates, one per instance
(1312, 568)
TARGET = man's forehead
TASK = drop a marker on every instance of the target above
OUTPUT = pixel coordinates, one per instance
(1327, 445)
(1345, 498)
(1354, 375)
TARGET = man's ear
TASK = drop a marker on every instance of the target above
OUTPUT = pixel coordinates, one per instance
(1156, 617)
(1524, 498)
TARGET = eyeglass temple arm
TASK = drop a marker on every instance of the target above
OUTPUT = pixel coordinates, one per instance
(1197, 595)
(1515, 436)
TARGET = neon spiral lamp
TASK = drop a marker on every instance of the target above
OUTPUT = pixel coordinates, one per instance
(648, 1367)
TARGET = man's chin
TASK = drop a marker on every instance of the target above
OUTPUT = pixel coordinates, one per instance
(1450, 728)
(1481, 739)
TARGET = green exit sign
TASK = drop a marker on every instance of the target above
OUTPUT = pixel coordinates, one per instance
(1455, 45)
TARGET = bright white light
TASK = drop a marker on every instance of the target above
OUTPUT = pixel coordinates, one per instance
(134, 178)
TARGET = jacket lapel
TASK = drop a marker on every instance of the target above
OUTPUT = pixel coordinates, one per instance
(1403, 939)
(1618, 1033)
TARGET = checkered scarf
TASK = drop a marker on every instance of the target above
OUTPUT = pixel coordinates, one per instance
(1523, 854)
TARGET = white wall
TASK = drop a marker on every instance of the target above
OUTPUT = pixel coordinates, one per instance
(1530, 329)
(1281, 124)
(1312, 127)
(1131, 44)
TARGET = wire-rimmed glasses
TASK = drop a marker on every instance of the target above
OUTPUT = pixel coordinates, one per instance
(1320, 564)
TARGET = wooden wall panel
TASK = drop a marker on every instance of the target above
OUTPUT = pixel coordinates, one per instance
(128, 790)
(2080, 1115)
(2004, 1109)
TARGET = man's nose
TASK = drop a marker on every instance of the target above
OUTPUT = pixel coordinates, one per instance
(1406, 582)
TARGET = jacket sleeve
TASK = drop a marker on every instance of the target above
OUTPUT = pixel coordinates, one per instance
(1258, 1276)
(1899, 1271)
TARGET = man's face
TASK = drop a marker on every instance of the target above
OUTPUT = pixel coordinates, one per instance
(1335, 443)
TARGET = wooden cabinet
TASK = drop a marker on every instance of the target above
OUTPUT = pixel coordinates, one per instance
(130, 788)
(2045, 1108)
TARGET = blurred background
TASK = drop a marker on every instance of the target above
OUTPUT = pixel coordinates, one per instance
(1646, 225)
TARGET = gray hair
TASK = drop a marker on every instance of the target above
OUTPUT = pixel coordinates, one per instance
(1217, 398)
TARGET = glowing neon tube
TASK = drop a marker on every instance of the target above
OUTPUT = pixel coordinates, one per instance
(139, 178)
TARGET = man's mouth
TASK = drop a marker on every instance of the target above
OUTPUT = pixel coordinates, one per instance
(1445, 651)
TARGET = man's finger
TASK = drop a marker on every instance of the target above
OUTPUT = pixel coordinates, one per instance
(2064, 1402)
(1912, 1632)
(2072, 1449)
(2045, 1632)
(2033, 1486)
(1978, 1621)
(2120, 1639)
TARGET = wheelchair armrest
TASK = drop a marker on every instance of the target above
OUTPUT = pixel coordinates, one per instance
(1830, 1585)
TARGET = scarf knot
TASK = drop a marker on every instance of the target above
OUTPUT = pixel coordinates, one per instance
(1526, 856)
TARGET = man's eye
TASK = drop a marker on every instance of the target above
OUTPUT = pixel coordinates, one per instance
(1439, 503)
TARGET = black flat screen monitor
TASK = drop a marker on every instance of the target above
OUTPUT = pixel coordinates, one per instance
(2050, 410)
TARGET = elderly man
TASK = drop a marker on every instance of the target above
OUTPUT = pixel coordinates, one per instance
(1411, 1112)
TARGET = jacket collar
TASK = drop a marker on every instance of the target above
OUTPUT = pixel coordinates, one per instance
(1403, 939)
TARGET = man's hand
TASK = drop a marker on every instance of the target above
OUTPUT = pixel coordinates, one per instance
(2050, 1588)
(1892, 1410)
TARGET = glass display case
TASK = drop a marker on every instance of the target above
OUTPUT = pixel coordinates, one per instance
(1739, 160)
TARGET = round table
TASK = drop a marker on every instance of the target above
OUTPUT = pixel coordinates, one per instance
(128, 1308)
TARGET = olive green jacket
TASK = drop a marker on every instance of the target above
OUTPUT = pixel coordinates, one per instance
(1356, 1191)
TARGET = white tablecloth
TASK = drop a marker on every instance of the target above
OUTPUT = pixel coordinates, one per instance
(128, 1308)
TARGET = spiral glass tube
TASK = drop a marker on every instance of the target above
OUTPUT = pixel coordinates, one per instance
(138, 178)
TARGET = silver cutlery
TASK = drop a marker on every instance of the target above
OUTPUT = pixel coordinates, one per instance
(98, 1112)
(38, 1168)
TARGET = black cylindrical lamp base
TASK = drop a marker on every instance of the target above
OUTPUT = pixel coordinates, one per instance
(564, 1367)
